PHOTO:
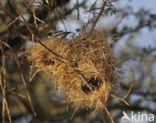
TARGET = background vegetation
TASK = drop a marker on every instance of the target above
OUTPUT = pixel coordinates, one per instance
(29, 97)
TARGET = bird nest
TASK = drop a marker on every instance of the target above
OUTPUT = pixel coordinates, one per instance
(83, 68)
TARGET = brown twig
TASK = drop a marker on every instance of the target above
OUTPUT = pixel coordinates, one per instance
(99, 15)
(62, 58)
(8, 111)
(36, 18)
(3, 86)
(10, 90)
(14, 20)
(18, 94)
(24, 21)
(78, 12)
(33, 75)
(47, 1)
(119, 98)
(131, 86)
(110, 116)
(2, 3)
(32, 34)
(22, 77)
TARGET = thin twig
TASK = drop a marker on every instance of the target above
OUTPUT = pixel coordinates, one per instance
(2, 3)
(63, 61)
(99, 15)
(8, 111)
(24, 21)
(22, 77)
(73, 114)
(33, 75)
(32, 34)
(3, 86)
(77, 7)
(131, 85)
(18, 94)
(110, 116)
(47, 1)
(10, 90)
(39, 20)
(34, 16)
(14, 20)
(119, 98)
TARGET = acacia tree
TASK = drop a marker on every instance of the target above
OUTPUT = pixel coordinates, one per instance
(30, 94)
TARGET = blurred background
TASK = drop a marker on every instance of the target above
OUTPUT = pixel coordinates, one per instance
(131, 32)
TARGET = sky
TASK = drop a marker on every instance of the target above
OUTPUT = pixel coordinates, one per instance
(145, 38)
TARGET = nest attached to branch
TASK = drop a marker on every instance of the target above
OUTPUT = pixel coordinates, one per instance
(82, 67)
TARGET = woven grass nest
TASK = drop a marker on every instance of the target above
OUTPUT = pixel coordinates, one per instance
(83, 68)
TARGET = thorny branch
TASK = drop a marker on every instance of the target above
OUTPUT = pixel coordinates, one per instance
(3, 86)
(99, 15)
(22, 77)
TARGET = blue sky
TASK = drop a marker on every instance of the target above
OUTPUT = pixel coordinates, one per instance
(145, 38)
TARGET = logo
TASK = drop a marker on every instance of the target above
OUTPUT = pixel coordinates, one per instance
(137, 117)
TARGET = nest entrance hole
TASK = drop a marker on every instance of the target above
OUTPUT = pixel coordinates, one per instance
(93, 82)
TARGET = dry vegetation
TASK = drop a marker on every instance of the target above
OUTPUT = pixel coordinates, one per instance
(83, 68)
